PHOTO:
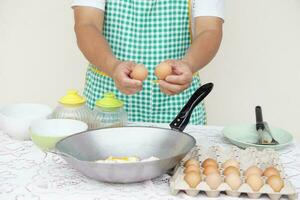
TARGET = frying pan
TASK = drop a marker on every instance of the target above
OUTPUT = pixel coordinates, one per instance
(82, 150)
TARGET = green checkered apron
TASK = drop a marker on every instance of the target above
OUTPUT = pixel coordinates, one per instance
(147, 32)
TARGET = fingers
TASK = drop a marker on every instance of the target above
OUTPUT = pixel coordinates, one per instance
(177, 69)
(180, 76)
(181, 73)
(181, 79)
(129, 86)
(127, 67)
(167, 92)
(130, 83)
(129, 90)
(171, 89)
(180, 67)
(130, 65)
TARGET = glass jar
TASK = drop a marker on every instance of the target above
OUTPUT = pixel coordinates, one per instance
(109, 112)
(72, 106)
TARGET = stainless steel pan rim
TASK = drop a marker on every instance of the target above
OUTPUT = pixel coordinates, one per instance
(132, 163)
(123, 127)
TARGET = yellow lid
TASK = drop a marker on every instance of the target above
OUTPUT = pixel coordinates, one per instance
(72, 98)
(109, 101)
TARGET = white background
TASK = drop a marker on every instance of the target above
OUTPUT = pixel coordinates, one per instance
(259, 61)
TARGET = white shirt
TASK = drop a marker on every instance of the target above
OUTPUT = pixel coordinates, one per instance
(213, 8)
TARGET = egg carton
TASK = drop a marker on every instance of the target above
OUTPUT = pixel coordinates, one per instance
(246, 158)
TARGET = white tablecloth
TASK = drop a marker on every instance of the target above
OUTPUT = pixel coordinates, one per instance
(28, 173)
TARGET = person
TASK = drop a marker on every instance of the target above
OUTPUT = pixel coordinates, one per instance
(116, 35)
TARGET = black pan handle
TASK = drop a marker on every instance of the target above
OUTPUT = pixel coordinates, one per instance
(259, 118)
(183, 117)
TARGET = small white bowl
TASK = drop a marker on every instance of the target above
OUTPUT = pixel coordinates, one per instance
(46, 133)
(15, 119)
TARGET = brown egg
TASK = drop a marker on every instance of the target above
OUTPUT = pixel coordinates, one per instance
(210, 170)
(139, 72)
(209, 162)
(253, 170)
(231, 170)
(163, 70)
(234, 181)
(213, 181)
(192, 179)
(275, 182)
(192, 168)
(231, 162)
(255, 182)
(270, 171)
(192, 162)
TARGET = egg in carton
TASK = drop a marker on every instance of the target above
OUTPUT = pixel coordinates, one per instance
(250, 168)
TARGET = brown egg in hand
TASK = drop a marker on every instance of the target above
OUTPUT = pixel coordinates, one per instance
(192, 179)
(139, 72)
(163, 70)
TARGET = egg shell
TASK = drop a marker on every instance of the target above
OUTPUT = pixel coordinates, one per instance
(192, 179)
(270, 171)
(253, 170)
(213, 181)
(163, 70)
(192, 162)
(231, 162)
(231, 170)
(234, 181)
(255, 182)
(209, 162)
(210, 170)
(139, 72)
(192, 168)
(275, 182)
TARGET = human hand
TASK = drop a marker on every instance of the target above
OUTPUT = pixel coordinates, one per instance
(122, 79)
(179, 80)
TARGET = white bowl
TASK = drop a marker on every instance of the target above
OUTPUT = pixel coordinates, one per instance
(15, 119)
(46, 133)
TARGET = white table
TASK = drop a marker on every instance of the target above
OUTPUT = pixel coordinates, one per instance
(28, 173)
